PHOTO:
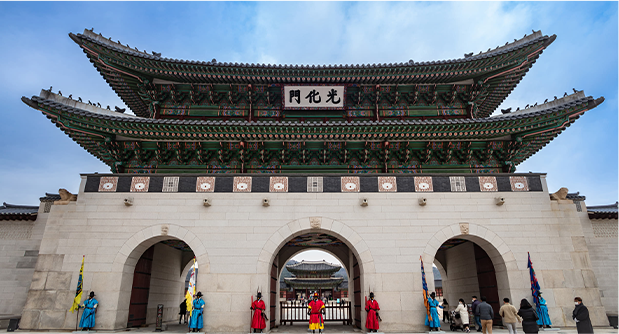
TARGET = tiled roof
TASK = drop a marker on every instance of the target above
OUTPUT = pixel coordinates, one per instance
(510, 46)
(50, 197)
(49, 99)
(313, 266)
(575, 197)
(314, 282)
(499, 70)
(18, 212)
(610, 211)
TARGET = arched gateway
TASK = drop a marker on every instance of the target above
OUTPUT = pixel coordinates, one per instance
(394, 162)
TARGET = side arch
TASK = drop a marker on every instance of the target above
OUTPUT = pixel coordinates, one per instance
(132, 249)
(499, 252)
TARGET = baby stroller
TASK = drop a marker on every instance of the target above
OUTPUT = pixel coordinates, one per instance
(456, 322)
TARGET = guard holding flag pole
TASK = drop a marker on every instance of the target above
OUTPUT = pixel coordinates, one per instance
(90, 308)
(78, 293)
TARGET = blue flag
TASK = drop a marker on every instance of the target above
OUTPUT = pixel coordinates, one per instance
(534, 283)
(425, 290)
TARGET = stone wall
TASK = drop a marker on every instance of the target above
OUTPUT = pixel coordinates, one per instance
(601, 238)
(19, 249)
(236, 239)
(166, 284)
(461, 280)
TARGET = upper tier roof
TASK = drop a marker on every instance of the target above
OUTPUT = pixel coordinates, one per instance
(500, 70)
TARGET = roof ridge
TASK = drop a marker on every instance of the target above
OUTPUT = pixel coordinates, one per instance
(606, 206)
(577, 98)
(90, 34)
(76, 104)
(5, 205)
(566, 99)
(108, 41)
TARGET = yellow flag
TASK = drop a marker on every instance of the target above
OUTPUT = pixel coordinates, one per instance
(191, 290)
(78, 293)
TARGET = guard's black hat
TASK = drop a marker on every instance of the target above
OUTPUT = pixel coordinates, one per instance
(199, 294)
(92, 294)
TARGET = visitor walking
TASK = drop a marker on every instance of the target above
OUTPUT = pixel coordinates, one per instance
(529, 317)
(446, 316)
(510, 316)
(581, 316)
(183, 311)
(463, 312)
(486, 314)
(476, 313)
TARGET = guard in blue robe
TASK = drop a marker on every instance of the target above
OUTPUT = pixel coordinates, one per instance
(196, 322)
(435, 324)
(542, 313)
(88, 317)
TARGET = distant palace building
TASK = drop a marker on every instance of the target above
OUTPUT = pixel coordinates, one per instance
(243, 166)
(314, 276)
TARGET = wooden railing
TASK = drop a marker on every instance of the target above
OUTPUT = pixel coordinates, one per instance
(295, 311)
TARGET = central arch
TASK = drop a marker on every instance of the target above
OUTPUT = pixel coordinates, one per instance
(269, 263)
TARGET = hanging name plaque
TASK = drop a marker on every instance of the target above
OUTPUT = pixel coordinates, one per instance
(313, 97)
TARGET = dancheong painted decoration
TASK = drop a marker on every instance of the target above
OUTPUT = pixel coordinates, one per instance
(213, 117)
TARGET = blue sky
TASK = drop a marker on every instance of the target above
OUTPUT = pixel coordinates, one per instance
(36, 157)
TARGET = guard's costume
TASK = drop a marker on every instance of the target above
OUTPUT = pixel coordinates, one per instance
(196, 322)
(257, 322)
(316, 320)
(371, 306)
(542, 312)
(88, 317)
(433, 303)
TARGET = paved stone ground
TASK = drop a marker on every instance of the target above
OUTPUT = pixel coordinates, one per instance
(329, 329)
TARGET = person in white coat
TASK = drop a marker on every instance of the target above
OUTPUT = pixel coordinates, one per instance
(464, 315)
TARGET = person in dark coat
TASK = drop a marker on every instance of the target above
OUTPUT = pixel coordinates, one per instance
(476, 313)
(446, 315)
(581, 316)
(183, 311)
(529, 317)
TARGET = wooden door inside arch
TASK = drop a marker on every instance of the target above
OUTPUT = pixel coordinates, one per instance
(273, 296)
(357, 291)
(140, 289)
(486, 278)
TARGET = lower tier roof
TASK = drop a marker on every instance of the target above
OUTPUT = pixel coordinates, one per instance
(133, 144)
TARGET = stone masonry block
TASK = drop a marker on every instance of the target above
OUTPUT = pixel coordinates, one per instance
(52, 319)
(580, 244)
(40, 300)
(49, 262)
(38, 280)
(30, 319)
(58, 280)
(573, 279)
(581, 260)
(589, 278)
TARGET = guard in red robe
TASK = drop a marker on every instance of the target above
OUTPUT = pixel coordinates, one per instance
(316, 311)
(257, 322)
(371, 306)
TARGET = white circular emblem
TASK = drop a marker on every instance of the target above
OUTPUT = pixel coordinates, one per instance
(205, 186)
(424, 186)
(278, 186)
(519, 185)
(387, 185)
(350, 186)
(140, 186)
(488, 185)
(241, 186)
(108, 186)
